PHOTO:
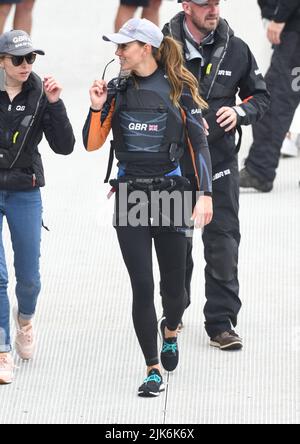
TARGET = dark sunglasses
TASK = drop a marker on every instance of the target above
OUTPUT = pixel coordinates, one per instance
(106, 66)
(18, 60)
(121, 83)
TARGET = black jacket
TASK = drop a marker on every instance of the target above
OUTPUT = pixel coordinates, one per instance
(229, 69)
(282, 11)
(268, 8)
(53, 122)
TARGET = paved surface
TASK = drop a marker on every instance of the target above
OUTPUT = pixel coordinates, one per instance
(88, 364)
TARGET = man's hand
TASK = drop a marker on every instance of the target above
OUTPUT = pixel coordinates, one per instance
(274, 32)
(203, 212)
(227, 117)
(52, 89)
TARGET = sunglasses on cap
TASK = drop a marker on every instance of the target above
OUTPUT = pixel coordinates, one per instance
(18, 60)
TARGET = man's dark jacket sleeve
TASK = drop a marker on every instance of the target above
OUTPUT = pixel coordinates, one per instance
(286, 8)
(252, 91)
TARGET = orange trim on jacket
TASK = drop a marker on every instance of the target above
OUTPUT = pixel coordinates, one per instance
(98, 131)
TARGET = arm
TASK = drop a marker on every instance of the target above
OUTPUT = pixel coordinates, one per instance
(199, 152)
(97, 127)
(57, 128)
(283, 12)
(56, 125)
(267, 8)
(98, 123)
(253, 93)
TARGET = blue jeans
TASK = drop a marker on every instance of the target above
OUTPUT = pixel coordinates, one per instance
(23, 211)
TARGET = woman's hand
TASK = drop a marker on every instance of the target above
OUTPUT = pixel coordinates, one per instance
(98, 94)
(52, 89)
(203, 212)
(206, 127)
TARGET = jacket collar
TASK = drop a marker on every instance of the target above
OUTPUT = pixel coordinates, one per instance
(176, 30)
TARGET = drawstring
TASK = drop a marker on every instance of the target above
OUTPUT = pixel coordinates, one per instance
(44, 226)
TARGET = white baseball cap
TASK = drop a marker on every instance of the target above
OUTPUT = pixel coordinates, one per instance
(137, 29)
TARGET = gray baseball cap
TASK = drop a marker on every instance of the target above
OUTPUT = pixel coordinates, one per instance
(138, 29)
(17, 43)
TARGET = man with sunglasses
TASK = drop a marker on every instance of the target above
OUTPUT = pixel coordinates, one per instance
(224, 66)
(29, 108)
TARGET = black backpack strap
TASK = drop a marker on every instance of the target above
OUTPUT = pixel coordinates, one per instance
(110, 162)
(239, 142)
(116, 97)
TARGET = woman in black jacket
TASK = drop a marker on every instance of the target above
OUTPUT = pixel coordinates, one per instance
(29, 108)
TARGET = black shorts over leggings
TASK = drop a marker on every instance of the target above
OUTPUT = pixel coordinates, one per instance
(135, 2)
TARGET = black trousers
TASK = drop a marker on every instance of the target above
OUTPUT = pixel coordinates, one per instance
(221, 240)
(270, 131)
(171, 250)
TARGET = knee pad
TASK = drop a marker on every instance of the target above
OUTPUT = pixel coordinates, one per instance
(221, 255)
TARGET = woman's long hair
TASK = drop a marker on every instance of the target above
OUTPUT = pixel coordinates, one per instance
(169, 56)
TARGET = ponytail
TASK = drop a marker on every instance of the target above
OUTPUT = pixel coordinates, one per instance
(169, 56)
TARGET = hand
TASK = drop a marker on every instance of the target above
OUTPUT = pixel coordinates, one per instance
(274, 32)
(227, 118)
(52, 89)
(206, 127)
(203, 212)
(98, 94)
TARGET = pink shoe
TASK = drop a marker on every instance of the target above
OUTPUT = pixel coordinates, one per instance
(24, 342)
(6, 368)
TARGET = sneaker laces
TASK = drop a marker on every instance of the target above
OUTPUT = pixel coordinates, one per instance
(26, 333)
(153, 378)
(169, 347)
(4, 362)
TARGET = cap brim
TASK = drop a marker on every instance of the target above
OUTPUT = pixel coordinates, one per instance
(119, 39)
(24, 51)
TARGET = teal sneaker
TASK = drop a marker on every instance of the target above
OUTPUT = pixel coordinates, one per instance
(169, 354)
(153, 385)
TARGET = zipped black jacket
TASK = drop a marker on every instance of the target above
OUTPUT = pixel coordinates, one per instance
(282, 11)
(53, 122)
(230, 69)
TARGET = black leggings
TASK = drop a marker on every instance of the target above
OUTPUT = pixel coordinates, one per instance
(171, 250)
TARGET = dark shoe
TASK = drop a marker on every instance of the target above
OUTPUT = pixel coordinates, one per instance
(169, 355)
(152, 385)
(227, 341)
(249, 181)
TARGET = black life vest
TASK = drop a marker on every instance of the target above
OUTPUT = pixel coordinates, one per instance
(145, 128)
(19, 153)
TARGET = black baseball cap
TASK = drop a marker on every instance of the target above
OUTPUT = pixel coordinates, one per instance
(17, 43)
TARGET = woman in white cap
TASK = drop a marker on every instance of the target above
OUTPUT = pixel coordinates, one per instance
(146, 112)
(29, 108)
